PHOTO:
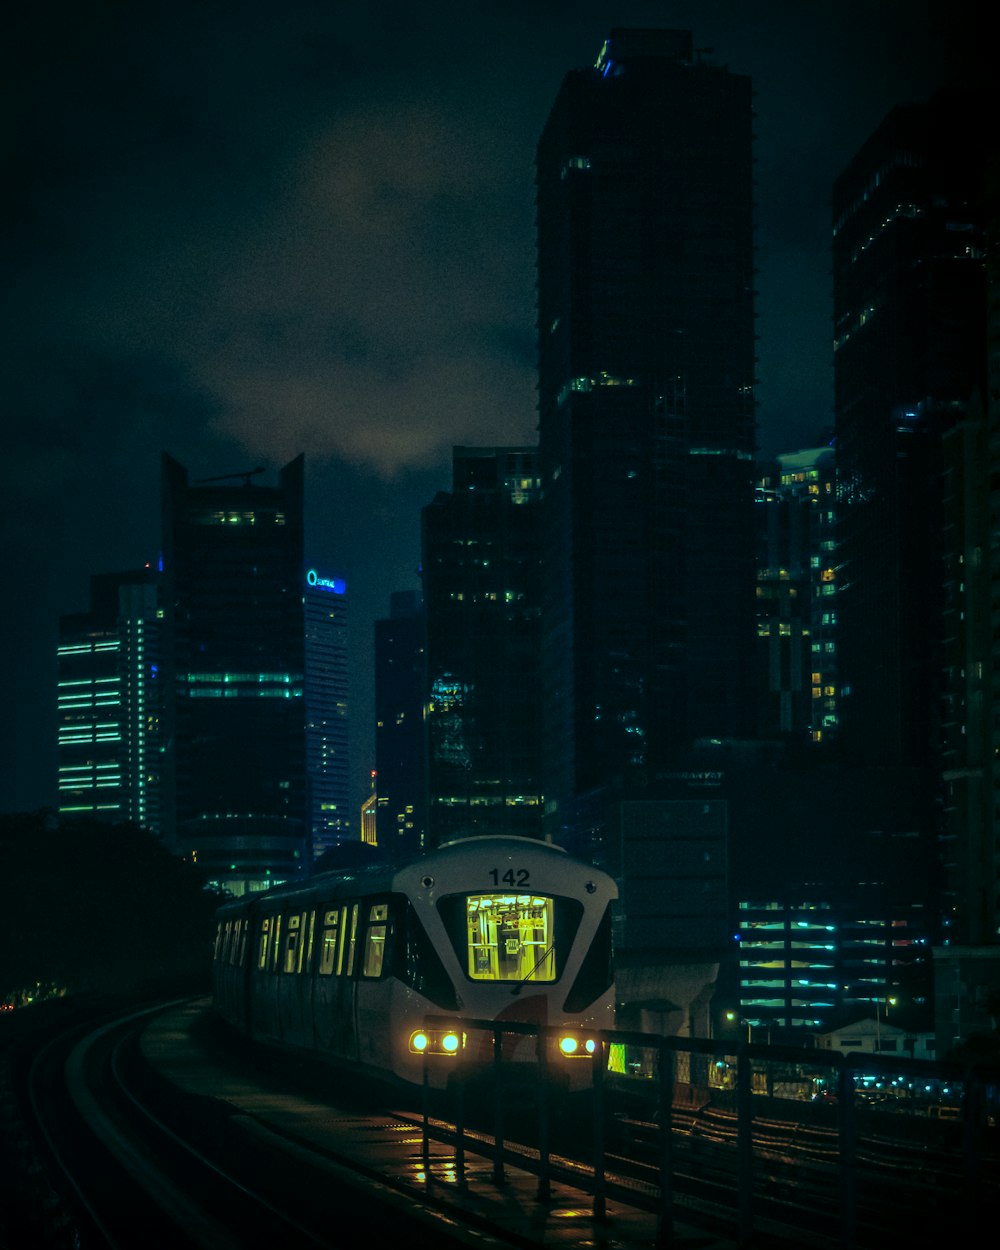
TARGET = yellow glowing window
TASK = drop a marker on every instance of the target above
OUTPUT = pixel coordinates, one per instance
(265, 927)
(352, 943)
(378, 917)
(291, 960)
(328, 942)
(510, 937)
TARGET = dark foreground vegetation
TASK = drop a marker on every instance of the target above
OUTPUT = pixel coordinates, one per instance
(90, 907)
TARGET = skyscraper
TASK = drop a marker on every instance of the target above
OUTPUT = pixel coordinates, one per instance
(910, 318)
(646, 421)
(909, 350)
(110, 744)
(480, 571)
(326, 707)
(234, 651)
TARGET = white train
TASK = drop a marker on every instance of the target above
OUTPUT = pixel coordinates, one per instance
(351, 965)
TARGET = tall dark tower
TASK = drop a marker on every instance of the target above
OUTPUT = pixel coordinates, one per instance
(480, 575)
(646, 421)
(909, 349)
(234, 649)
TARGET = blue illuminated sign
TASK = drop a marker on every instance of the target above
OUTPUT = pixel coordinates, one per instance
(335, 584)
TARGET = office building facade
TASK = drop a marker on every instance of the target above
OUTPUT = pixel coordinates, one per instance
(909, 352)
(234, 651)
(480, 573)
(110, 751)
(325, 604)
(646, 422)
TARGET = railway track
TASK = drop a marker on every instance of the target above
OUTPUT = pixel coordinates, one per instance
(131, 1162)
(123, 1150)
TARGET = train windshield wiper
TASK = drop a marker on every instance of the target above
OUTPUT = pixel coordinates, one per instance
(534, 967)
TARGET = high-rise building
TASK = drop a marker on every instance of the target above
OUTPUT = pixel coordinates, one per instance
(234, 653)
(647, 422)
(909, 269)
(796, 597)
(326, 708)
(400, 742)
(909, 350)
(110, 744)
(480, 573)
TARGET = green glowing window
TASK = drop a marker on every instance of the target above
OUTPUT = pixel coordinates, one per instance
(510, 937)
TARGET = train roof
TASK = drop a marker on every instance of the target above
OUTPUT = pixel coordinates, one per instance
(376, 878)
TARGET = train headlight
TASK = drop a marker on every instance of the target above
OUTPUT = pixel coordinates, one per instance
(575, 1044)
(436, 1041)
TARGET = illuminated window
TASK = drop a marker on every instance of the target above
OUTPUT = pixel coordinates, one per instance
(510, 937)
(378, 917)
(292, 943)
(328, 942)
(265, 930)
(352, 943)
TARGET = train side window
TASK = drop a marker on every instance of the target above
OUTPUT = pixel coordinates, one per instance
(375, 933)
(421, 964)
(352, 942)
(306, 962)
(328, 942)
(292, 941)
(275, 944)
(596, 972)
(240, 951)
(262, 942)
(216, 955)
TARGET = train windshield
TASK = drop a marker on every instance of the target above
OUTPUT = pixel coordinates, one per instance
(510, 937)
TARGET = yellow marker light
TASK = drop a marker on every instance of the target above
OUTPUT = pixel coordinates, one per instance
(419, 1042)
(568, 1045)
(450, 1043)
(591, 1045)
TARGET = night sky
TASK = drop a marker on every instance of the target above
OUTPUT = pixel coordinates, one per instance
(238, 231)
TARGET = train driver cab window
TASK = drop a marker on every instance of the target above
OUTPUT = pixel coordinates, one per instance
(328, 942)
(374, 954)
(510, 937)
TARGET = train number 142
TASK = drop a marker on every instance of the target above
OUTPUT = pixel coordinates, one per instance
(513, 876)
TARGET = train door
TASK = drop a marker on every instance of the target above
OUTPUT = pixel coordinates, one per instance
(373, 990)
(266, 1022)
(291, 982)
(334, 1023)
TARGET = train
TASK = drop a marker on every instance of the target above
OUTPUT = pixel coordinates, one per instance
(381, 969)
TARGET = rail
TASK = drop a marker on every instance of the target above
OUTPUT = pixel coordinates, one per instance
(667, 1097)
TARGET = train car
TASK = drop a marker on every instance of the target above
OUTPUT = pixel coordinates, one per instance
(349, 966)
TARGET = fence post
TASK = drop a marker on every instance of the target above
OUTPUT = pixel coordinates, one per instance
(544, 1179)
(846, 1149)
(425, 1104)
(600, 1062)
(498, 1169)
(744, 1141)
(665, 1072)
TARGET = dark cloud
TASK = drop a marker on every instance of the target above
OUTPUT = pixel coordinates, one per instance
(241, 231)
